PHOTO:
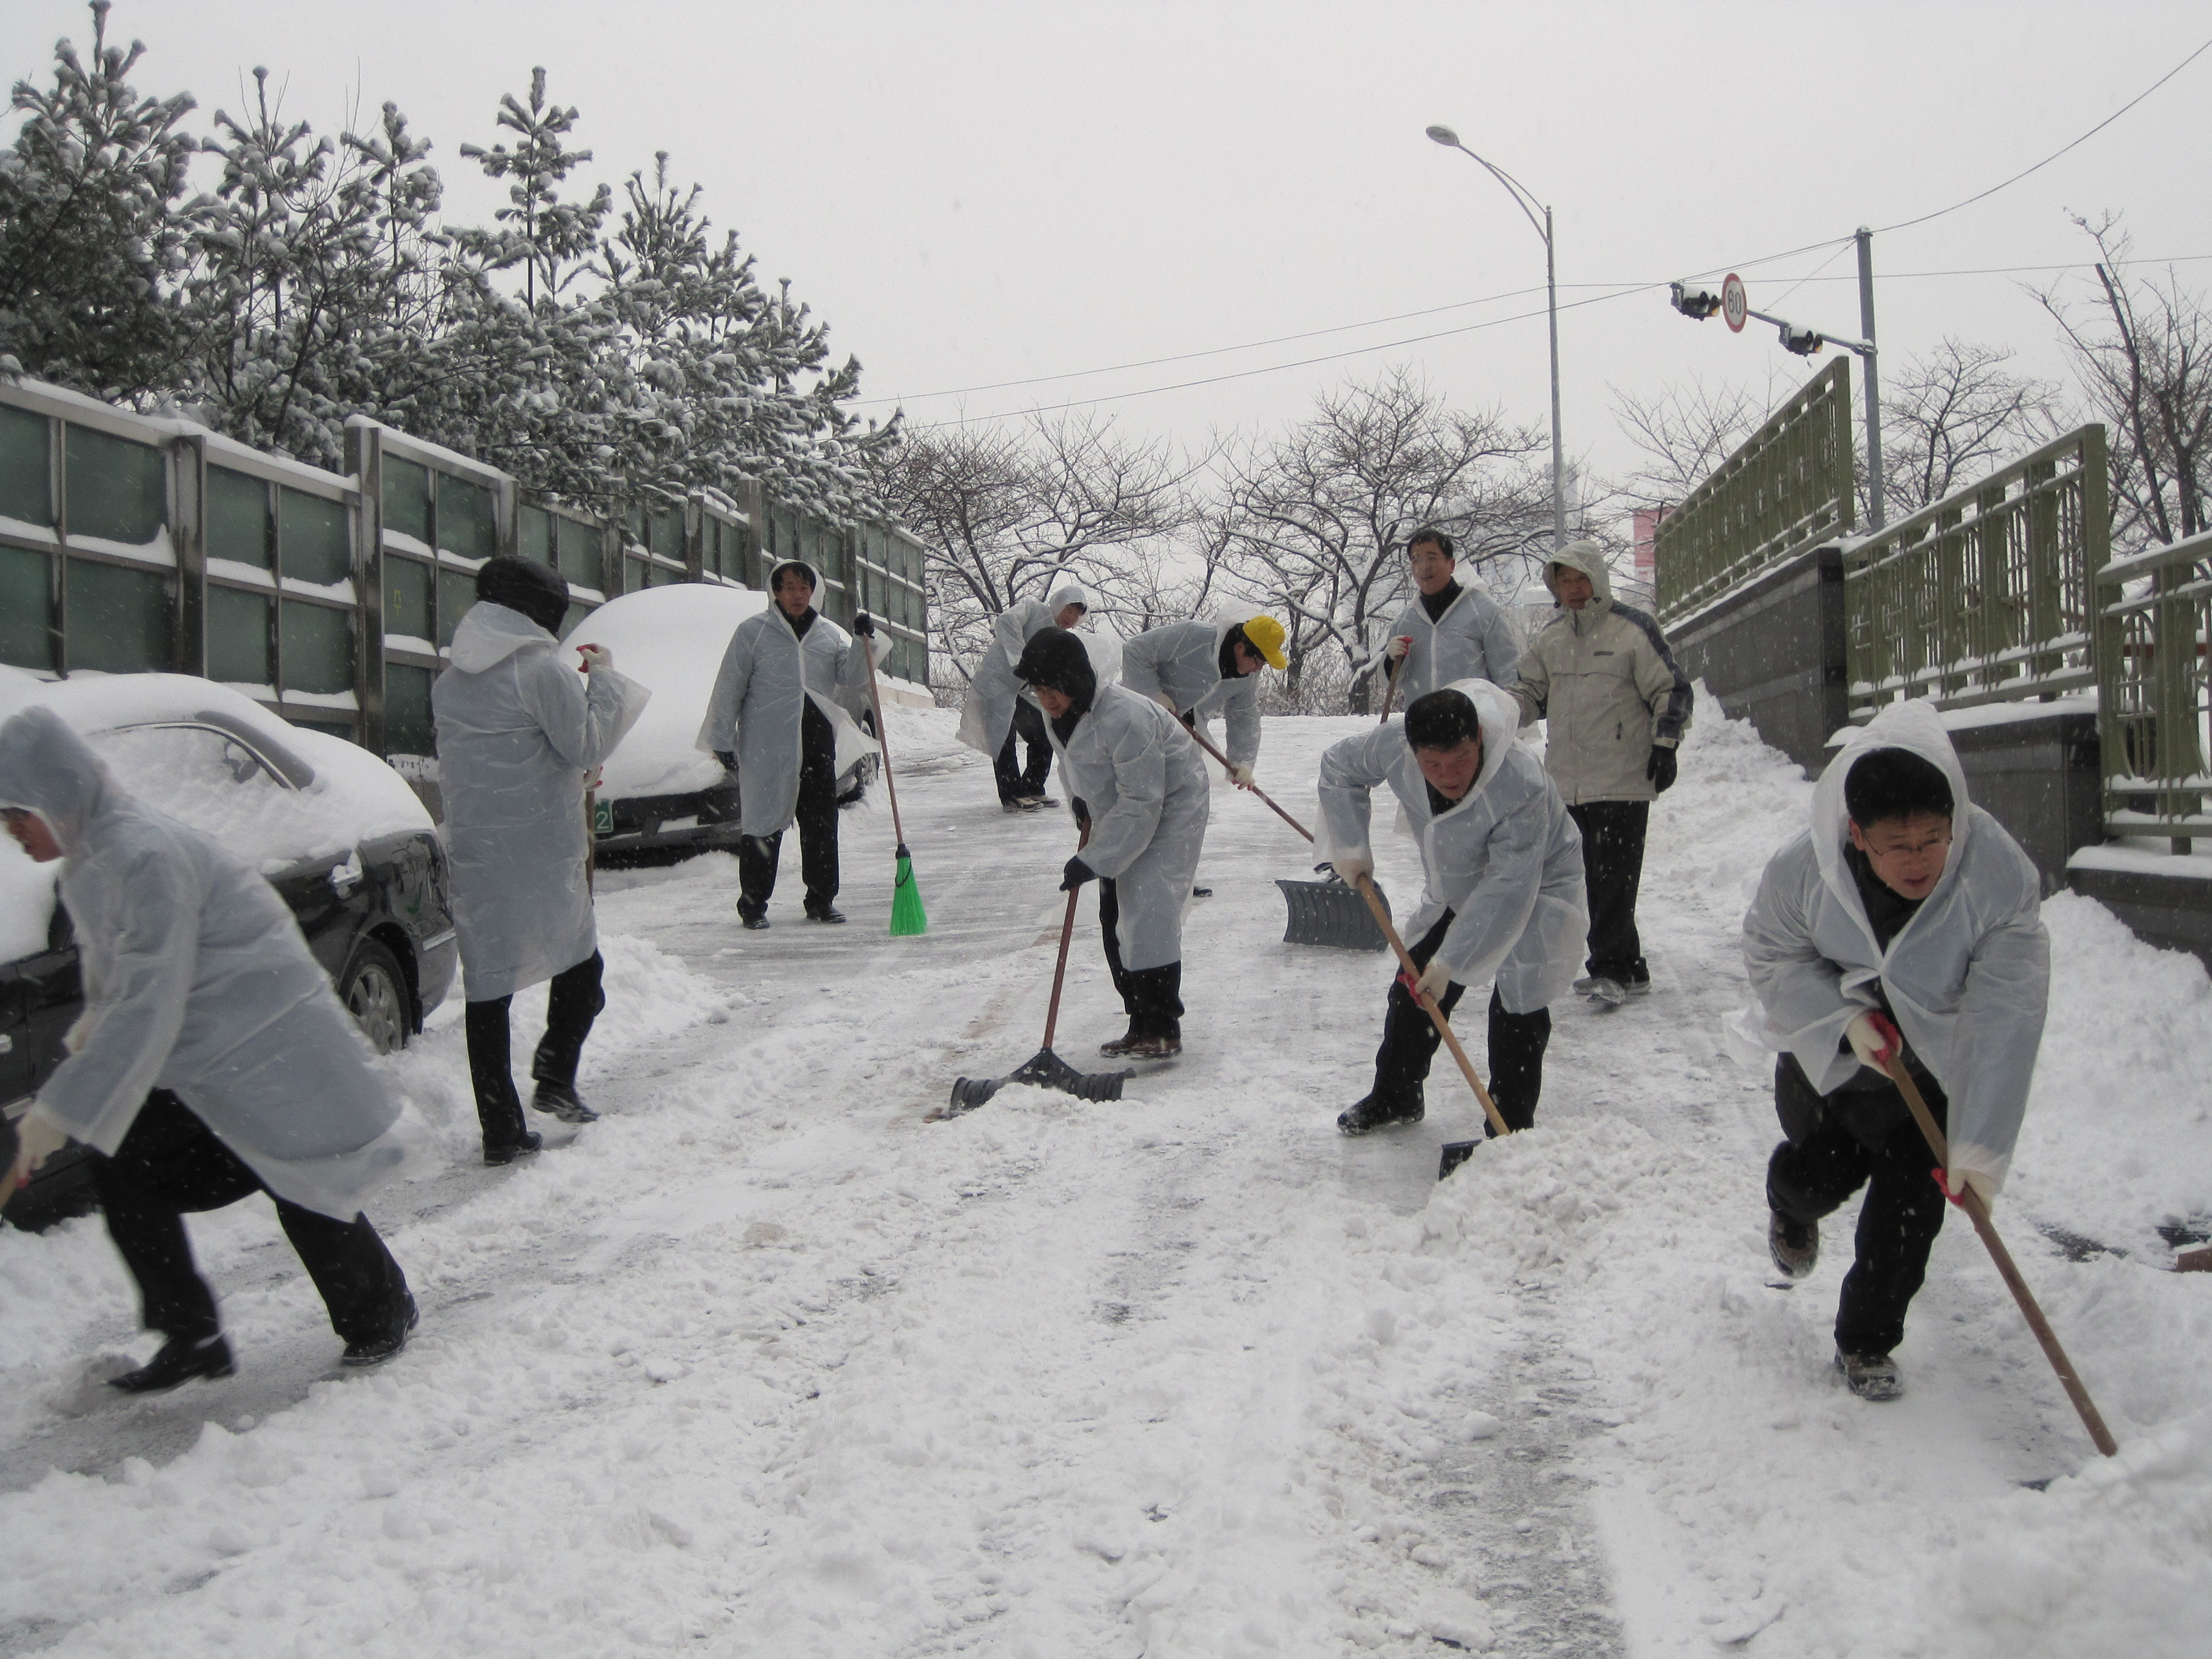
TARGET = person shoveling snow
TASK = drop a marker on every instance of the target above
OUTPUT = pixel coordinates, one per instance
(1503, 897)
(1905, 923)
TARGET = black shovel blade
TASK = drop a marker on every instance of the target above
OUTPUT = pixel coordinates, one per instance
(1456, 1152)
(1331, 913)
(1047, 1070)
(969, 1093)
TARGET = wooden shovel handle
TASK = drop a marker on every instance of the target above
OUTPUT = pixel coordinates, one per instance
(1979, 1213)
(1200, 738)
(1067, 932)
(1366, 886)
(1390, 693)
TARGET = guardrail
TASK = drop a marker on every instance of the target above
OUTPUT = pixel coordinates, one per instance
(2154, 710)
(1787, 488)
(1986, 595)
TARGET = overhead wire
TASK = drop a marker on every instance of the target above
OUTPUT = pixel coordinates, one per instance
(1833, 246)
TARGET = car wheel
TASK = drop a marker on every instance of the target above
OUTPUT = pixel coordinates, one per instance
(374, 992)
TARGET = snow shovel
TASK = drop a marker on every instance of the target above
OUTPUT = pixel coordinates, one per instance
(1044, 1069)
(1979, 1213)
(1321, 912)
(907, 916)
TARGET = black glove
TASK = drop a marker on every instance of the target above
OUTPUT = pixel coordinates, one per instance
(865, 625)
(1075, 875)
(1659, 770)
(1082, 811)
(729, 761)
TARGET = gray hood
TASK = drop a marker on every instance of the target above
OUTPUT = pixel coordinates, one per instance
(46, 767)
(1587, 558)
(488, 634)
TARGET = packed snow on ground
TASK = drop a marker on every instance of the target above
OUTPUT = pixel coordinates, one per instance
(765, 1362)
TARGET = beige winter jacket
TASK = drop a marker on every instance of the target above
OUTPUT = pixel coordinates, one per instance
(1604, 679)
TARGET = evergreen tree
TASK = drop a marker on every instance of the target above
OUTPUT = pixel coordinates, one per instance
(90, 234)
(549, 238)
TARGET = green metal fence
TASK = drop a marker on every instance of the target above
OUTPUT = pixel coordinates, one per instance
(1787, 488)
(132, 544)
(1984, 596)
(2154, 708)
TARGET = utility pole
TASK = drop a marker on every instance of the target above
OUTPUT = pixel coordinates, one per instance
(1875, 520)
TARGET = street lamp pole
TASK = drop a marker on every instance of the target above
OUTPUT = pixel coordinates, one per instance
(1526, 201)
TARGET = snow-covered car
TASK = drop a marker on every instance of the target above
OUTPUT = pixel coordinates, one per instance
(656, 790)
(337, 832)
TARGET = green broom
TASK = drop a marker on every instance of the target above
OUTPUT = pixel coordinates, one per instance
(908, 917)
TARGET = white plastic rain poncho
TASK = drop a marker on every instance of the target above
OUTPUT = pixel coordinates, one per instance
(1182, 662)
(197, 980)
(1967, 977)
(756, 712)
(988, 712)
(518, 731)
(1132, 764)
(1473, 639)
(1506, 859)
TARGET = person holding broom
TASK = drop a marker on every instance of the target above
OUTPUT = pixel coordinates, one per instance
(775, 720)
(1141, 797)
(1504, 897)
(1905, 923)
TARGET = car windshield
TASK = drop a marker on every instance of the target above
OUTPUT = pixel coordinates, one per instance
(224, 788)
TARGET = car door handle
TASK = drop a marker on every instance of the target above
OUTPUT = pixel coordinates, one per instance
(346, 877)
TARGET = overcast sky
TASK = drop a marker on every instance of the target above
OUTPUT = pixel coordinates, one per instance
(979, 193)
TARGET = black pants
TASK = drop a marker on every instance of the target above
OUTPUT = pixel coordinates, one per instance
(758, 855)
(1862, 1135)
(1018, 782)
(171, 1165)
(1613, 869)
(1152, 996)
(573, 1001)
(1410, 1040)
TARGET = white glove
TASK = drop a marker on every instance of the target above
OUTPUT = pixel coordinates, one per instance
(1352, 865)
(1956, 1181)
(1168, 703)
(595, 779)
(1435, 980)
(595, 656)
(1398, 646)
(1873, 1039)
(1240, 775)
(39, 1136)
(80, 1031)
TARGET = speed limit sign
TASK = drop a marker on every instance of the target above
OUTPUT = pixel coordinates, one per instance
(1735, 304)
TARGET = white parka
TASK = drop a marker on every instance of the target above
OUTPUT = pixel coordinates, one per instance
(1603, 678)
(1506, 859)
(987, 715)
(1473, 639)
(1181, 661)
(518, 731)
(1132, 764)
(197, 980)
(1967, 977)
(756, 710)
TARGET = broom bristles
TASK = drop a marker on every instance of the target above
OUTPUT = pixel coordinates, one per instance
(908, 917)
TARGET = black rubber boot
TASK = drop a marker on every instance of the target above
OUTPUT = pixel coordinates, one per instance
(375, 1351)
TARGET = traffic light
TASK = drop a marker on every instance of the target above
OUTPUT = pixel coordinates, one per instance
(1802, 341)
(1695, 303)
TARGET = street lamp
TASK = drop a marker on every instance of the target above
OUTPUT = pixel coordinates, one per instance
(1526, 201)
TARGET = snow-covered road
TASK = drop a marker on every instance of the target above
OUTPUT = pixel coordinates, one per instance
(764, 1363)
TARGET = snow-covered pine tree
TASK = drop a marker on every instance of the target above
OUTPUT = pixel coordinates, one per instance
(549, 239)
(90, 240)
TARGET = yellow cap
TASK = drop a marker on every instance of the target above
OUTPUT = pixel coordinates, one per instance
(1265, 635)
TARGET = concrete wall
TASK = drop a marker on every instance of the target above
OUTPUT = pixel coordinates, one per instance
(1772, 652)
